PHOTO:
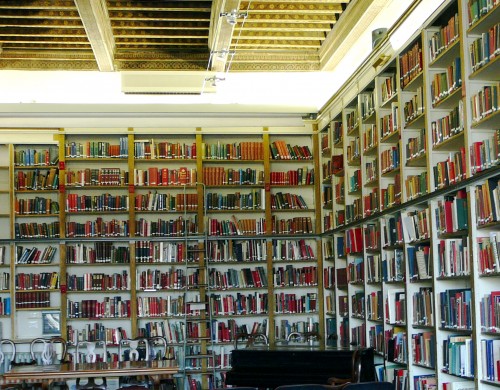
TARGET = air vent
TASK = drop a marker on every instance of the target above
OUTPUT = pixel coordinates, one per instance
(166, 83)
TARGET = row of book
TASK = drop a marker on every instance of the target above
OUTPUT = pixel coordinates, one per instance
(98, 282)
(489, 309)
(104, 202)
(96, 177)
(352, 121)
(451, 213)
(150, 149)
(455, 307)
(454, 260)
(165, 252)
(296, 225)
(375, 306)
(280, 150)
(4, 281)
(287, 201)
(35, 157)
(289, 276)
(367, 103)
(239, 304)
(95, 332)
(220, 176)
(448, 126)
(358, 306)
(32, 299)
(484, 103)
(97, 149)
(388, 88)
(172, 279)
(458, 355)
(178, 227)
(237, 278)
(477, 9)
(254, 200)
(97, 252)
(391, 195)
(353, 151)
(154, 176)
(410, 64)
(153, 201)
(423, 307)
(390, 159)
(488, 253)
(444, 38)
(485, 154)
(414, 107)
(389, 124)
(98, 228)
(41, 281)
(109, 307)
(354, 211)
(245, 150)
(287, 303)
(37, 179)
(485, 48)
(236, 227)
(354, 181)
(423, 347)
(236, 251)
(154, 306)
(445, 83)
(36, 206)
(300, 176)
(35, 255)
(419, 262)
(488, 201)
(416, 185)
(356, 271)
(395, 307)
(173, 331)
(37, 230)
(292, 250)
(5, 306)
(370, 140)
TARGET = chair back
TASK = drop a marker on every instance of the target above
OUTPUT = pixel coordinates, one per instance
(86, 351)
(44, 351)
(157, 347)
(6, 358)
(133, 349)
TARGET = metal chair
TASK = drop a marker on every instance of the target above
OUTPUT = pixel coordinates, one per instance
(6, 358)
(86, 353)
(134, 350)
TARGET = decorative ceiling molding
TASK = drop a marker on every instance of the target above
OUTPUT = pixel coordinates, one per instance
(95, 19)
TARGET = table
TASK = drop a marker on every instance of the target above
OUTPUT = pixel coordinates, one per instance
(155, 369)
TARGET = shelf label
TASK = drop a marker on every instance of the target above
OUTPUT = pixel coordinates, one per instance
(61, 165)
(63, 288)
(62, 188)
(267, 187)
(131, 188)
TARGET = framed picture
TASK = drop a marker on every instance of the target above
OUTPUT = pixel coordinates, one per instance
(51, 323)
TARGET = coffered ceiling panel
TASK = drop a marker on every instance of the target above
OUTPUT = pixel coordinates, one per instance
(115, 35)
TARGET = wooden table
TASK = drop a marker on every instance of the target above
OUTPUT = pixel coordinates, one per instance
(59, 372)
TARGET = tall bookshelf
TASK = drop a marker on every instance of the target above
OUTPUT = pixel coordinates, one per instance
(428, 250)
(207, 239)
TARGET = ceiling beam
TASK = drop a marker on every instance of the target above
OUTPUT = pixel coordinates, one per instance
(221, 34)
(96, 21)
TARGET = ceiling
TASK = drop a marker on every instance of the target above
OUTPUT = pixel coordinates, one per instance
(114, 35)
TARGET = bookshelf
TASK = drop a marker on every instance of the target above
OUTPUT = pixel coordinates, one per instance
(429, 112)
(206, 239)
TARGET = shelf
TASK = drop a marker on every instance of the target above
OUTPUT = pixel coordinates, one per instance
(485, 22)
(414, 83)
(454, 142)
(417, 161)
(491, 121)
(391, 137)
(489, 71)
(417, 122)
(444, 58)
(449, 101)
